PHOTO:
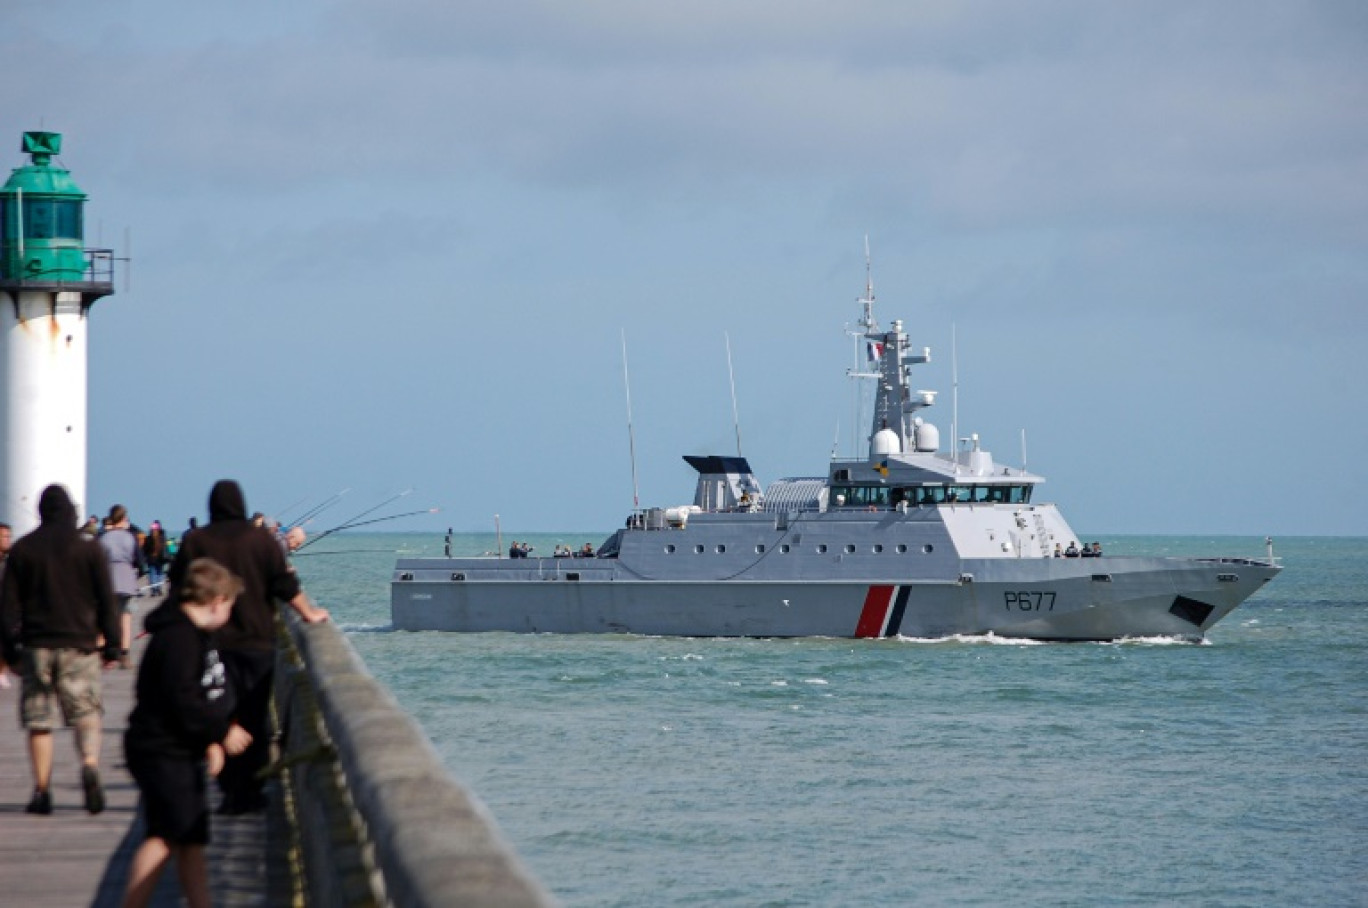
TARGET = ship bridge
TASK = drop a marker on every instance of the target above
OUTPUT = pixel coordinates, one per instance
(922, 478)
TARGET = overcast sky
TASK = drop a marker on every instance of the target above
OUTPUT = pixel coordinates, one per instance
(382, 245)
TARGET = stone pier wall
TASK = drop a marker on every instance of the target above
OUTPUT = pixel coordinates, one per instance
(372, 816)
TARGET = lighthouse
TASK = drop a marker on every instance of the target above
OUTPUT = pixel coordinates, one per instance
(48, 282)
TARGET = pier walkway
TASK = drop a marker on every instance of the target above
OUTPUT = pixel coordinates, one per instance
(72, 858)
(361, 811)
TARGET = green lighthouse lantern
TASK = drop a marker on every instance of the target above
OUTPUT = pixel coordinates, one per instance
(42, 218)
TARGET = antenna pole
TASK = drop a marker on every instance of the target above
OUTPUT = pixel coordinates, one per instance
(1023, 450)
(736, 416)
(631, 435)
(954, 394)
(863, 355)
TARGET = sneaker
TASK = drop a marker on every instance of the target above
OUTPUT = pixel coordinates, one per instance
(94, 794)
(41, 803)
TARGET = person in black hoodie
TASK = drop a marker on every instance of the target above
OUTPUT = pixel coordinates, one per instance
(180, 722)
(247, 641)
(56, 608)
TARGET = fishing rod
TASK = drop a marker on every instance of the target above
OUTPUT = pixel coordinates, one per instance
(353, 521)
(280, 514)
(362, 523)
(347, 552)
(318, 509)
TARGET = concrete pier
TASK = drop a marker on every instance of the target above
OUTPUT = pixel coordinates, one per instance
(362, 812)
(377, 819)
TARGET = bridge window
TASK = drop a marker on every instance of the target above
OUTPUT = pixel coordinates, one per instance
(961, 494)
(861, 496)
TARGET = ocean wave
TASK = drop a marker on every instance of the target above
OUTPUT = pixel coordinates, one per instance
(988, 638)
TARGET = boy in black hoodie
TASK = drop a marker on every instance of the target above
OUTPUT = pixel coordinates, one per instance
(180, 723)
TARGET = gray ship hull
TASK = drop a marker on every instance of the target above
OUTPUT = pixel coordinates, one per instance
(1054, 599)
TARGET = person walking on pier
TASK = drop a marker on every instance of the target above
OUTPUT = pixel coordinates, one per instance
(180, 722)
(247, 641)
(125, 564)
(155, 555)
(55, 605)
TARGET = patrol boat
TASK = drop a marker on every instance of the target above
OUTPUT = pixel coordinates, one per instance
(907, 541)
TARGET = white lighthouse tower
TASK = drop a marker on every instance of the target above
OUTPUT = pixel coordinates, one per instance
(48, 282)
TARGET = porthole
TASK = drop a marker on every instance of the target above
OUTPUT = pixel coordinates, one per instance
(821, 548)
(458, 576)
(878, 548)
(698, 550)
(670, 549)
(760, 549)
(928, 548)
(784, 548)
(902, 549)
(721, 549)
(850, 549)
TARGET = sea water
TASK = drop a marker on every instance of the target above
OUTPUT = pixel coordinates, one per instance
(973, 771)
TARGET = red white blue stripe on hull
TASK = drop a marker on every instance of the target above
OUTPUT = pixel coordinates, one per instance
(883, 611)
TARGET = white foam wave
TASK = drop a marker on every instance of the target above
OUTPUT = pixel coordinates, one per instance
(1157, 641)
(988, 638)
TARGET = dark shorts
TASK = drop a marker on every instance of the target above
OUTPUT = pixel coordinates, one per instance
(174, 801)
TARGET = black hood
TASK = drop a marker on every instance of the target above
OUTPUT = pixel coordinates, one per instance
(55, 508)
(226, 501)
(167, 613)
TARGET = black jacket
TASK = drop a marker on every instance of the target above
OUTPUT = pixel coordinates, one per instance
(56, 592)
(250, 552)
(183, 701)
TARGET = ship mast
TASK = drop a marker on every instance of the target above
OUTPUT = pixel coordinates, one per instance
(868, 328)
(895, 403)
